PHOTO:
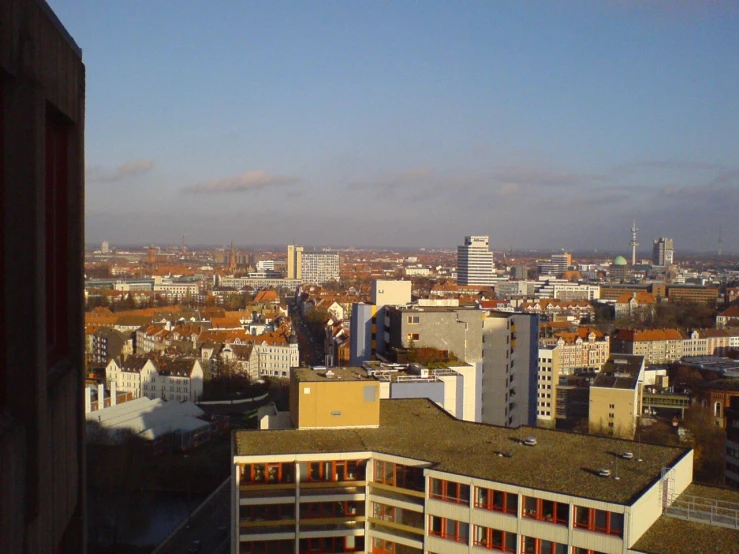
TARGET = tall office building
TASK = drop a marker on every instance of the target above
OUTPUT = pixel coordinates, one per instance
(663, 252)
(317, 268)
(475, 262)
(42, 102)
(294, 261)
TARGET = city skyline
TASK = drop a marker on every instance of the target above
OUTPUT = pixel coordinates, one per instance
(407, 124)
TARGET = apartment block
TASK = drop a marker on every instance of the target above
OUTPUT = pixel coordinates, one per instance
(317, 268)
(367, 333)
(663, 252)
(294, 262)
(452, 329)
(509, 368)
(616, 396)
(417, 480)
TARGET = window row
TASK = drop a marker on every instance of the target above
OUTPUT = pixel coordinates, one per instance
(272, 473)
(284, 472)
(318, 510)
(450, 491)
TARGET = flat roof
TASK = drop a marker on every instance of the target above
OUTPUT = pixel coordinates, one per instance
(621, 371)
(561, 462)
(339, 374)
(671, 535)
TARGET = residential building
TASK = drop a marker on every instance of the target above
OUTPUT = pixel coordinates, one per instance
(509, 368)
(583, 348)
(557, 264)
(367, 339)
(318, 268)
(728, 318)
(449, 329)
(663, 252)
(616, 396)
(658, 346)
(109, 343)
(620, 269)
(475, 262)
(635, 305)
(169, 379)
(42, 434)
(294, 262)
(546, 389)
(359, 474)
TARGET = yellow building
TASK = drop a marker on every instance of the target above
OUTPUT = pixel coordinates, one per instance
(616, 396)
(333, 399)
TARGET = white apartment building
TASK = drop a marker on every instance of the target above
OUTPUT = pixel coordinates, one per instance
(509, 368)
(546, 388)
(318, 268)
(177, 380)
(475, 262)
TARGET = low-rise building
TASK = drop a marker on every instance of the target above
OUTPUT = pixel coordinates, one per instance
(156, 377)
(359, 474)
(616, 396)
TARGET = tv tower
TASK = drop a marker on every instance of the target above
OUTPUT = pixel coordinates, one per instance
(634, 243)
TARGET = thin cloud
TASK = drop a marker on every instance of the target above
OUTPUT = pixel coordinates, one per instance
(132, 168)
(394, 181)
(246, 182)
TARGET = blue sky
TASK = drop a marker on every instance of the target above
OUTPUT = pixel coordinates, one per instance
(410, 123)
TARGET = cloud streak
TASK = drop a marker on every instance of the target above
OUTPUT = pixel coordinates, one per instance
(132, 168)
(250, 181)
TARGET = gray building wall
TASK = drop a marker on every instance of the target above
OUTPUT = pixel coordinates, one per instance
(360, 337)
(433, 390)
(455, 330)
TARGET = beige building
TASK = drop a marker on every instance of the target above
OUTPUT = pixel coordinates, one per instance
(294, 262)
(333, 399)
(616, 396)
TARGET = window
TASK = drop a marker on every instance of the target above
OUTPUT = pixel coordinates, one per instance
(320, 510)
(337, 470)
(578, 550)
(492, 539)
(531, 545)
(268, 512)
(413, 337)
(449, 491)
(449, 529)
(397, 475)
(56, 190)
(270, 474)
(381, 546)
(369, 393)
(546, 510)
(413, 319)
(600, 521)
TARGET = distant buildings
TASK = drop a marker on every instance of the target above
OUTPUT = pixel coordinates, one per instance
(168, 379)
(663, 252)
(475, 262)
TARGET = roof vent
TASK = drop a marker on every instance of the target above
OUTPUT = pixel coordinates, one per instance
(329, 374)
(627, 455)
(604, 472)
(530, 441)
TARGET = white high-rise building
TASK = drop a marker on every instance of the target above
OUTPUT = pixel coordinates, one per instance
(318, 268)
(475, 262)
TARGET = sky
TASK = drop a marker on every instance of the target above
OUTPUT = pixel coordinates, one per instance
(405, 123)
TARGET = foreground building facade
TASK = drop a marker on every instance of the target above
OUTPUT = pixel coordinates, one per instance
(42, 94)
(356, 474)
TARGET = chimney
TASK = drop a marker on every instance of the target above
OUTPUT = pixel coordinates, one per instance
(101, 396)
(113, 394)
(88, 401)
